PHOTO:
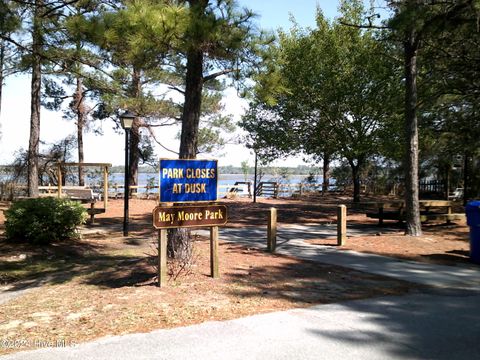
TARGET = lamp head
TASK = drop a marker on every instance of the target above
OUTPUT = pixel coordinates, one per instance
(126, 119)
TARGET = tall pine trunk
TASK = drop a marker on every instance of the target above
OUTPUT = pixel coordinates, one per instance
(2, 65)
(81, 117)
(34, 142)
(179, 243)
(192, 106)
(356, 179)
(326, 173)
(412, 207)
(466, 177)
(135, 132)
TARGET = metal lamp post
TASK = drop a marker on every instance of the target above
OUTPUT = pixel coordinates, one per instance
(126, 119)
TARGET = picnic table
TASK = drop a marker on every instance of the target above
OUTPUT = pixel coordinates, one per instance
(436, 210)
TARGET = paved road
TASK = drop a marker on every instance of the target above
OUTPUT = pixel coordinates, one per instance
(439, 323)
(418, 326)
(290, 242)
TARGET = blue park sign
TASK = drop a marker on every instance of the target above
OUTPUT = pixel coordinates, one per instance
(188, 180)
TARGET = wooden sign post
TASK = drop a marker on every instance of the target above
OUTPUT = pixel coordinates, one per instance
(162, 257)
(214, 252)
(188, 181)
(167, 217)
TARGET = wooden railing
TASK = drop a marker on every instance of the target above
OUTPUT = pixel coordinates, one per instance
(432, 186)
(298, 189)
(267, 188)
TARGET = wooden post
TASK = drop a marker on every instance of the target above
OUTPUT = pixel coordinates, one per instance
(272, 230)
(214, 252)
(162, 258)
(92, 213)
(449, 211)
(105, 187)
(59, 176)
(341, 225)
(380, 214)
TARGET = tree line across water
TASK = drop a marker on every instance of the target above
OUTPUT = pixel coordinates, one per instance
(230, 169)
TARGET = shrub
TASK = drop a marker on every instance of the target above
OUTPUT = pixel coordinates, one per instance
(43, 220)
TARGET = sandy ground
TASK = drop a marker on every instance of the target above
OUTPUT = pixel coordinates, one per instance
(440, 243)
(105, 284)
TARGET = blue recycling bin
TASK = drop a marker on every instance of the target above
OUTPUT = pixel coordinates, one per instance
(473, 221)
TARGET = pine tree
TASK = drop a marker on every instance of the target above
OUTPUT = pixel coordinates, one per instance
(330, 92)
(220, 39)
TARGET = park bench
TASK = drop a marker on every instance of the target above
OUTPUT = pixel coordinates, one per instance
(85, 196)
(76, 193)
(430, 210)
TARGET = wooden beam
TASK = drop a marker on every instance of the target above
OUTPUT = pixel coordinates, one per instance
(105, 187)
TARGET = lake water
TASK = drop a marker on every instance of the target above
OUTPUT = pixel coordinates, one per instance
(228, 179)
(224, 179)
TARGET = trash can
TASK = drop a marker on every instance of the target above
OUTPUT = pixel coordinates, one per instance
(473, 221)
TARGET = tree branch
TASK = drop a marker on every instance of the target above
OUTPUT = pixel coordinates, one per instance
(171, 87)
(160, 125)
(217, 74)
(49, 11)
(150, 130)
(54, 61)
(370, 26)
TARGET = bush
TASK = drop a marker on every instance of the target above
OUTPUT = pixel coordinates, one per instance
(44, 220)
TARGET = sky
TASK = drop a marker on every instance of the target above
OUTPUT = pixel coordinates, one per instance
(109, 147)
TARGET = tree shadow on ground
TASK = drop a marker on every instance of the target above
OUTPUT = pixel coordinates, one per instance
(452, 230)
(135, 272)
(100, 270)
(305, 282)
(92, 262)
(450, 257)
(437, 324)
